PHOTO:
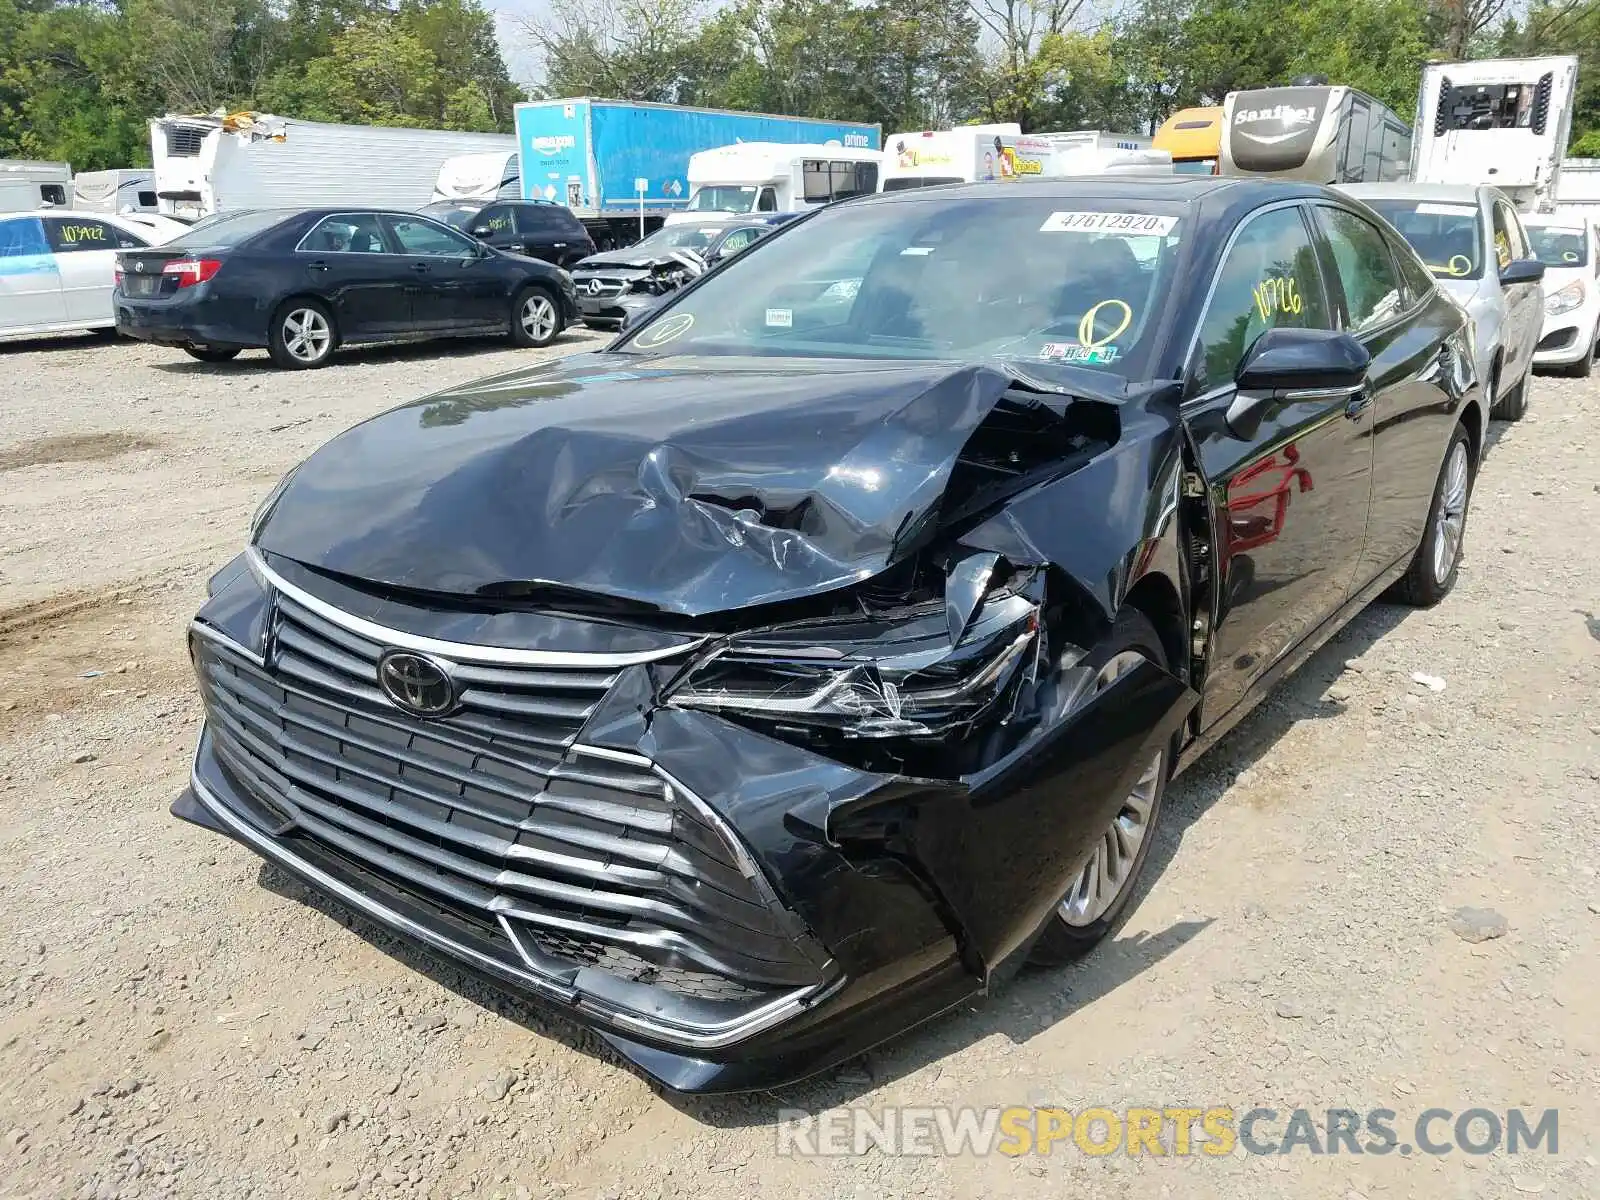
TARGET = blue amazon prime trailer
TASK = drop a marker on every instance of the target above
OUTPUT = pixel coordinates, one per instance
(601, 157)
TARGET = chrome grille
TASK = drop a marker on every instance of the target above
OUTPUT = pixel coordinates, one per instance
(495, 814)
(607, 289)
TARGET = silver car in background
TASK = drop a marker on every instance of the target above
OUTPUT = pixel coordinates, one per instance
(1473, 241)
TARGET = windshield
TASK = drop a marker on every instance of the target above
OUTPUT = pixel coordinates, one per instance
(1045, 278)
(1558, 247)
(678, 237)
(454, 215)
(228, 229)
(724, 198)
(1447, 237)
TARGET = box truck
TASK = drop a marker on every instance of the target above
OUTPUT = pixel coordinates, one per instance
(623, 168)
(1499, 121)
(207, 164)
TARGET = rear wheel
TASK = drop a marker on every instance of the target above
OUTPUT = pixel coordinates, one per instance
(535, 319)
(1098, 898)
(212, 354)
(302, 335)
(1437, 561)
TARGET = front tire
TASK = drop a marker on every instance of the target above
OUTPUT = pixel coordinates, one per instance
(212, 354)
(302, 336)
(1582, 368)
(1437, 561)
(1512, 404)
(535, 317)
(1098, 898)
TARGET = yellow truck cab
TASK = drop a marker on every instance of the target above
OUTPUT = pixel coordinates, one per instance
(1193, 136)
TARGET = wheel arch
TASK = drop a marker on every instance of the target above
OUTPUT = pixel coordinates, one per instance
(1156, 596)
(320, 300)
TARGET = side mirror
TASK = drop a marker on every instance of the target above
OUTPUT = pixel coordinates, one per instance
(1283, 363)
(481, 231)
(1522, 270)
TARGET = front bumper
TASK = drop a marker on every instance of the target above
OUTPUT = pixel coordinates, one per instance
(1566, 339)
(860, 904)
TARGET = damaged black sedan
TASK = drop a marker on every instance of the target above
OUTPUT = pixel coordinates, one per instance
(818, 653)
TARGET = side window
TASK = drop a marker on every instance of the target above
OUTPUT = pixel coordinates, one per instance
(147, 200)
(424, 237)
(347, 233)
(768, 201)
(815, 182)
(1355, 146)
(737, 241)
(1415, 278)
(538, 219)
(22, 237)
(492, 221)
(1503, 253)
(72, 234)
(1269, 280)
(1365, 268)
(52, 193)
(1520, 247)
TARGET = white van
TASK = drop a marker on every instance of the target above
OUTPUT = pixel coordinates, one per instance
(26, 185)
(929, 157)
(115, 192)
(773, 177)
(494, 175)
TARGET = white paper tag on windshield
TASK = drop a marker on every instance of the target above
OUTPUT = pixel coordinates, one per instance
(1108, 222)
(1446, 210)
(780, 318)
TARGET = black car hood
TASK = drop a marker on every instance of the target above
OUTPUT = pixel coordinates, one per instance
(693, 485)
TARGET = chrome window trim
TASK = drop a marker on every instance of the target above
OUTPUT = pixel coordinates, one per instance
(460, 651)
(300, 246)
(1299, 202)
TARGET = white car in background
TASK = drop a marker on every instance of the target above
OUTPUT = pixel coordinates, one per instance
(57, 267)
(1569, 248)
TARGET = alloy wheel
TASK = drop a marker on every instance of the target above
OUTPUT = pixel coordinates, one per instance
(306, 335)
(538, 317)
(1452, 515)
(1110, 867)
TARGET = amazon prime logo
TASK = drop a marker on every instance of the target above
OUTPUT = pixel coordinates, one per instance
(416, 684)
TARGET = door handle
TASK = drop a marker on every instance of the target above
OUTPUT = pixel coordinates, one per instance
(1356, 407)
(319, 265)
(421, 268)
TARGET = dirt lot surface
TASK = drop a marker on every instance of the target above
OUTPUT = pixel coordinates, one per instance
(178, 1020)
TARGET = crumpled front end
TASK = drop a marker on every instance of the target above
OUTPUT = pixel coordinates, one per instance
(741, 847)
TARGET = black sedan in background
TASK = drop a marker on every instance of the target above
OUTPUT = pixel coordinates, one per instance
(618, 286)
(303, 283)
(801, 665)
(537, 228)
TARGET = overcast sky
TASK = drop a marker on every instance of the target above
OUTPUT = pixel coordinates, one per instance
(512, 44)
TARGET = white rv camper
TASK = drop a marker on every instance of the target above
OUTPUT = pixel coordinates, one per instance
(967, 154)
(487, 175)
(115, 192)
(253, 160)
(750, 178)
(26, 185)
(1502, 121)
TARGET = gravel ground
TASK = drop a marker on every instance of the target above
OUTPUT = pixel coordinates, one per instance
(177, 1019)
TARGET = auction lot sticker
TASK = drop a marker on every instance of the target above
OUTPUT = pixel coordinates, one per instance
(1108, 222)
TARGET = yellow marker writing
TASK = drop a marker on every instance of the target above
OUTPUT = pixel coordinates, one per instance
(1086, 337)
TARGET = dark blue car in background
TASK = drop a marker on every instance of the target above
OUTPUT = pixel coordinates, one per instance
(302, 283)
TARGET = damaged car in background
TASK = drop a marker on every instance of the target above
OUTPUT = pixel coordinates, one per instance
(617, 288)
(820, 653)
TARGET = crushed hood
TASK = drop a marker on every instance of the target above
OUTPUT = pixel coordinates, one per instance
(693, 485)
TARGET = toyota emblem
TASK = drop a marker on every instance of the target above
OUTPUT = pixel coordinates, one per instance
(416, 684)
(137, 265)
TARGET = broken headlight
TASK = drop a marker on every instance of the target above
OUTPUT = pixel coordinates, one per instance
(874, 679)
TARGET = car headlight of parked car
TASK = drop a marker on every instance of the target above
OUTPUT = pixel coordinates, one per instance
(1564, 300)
(916, 685)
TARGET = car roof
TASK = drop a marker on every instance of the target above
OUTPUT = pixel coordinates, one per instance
(1559, 220)
(1460, 193)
